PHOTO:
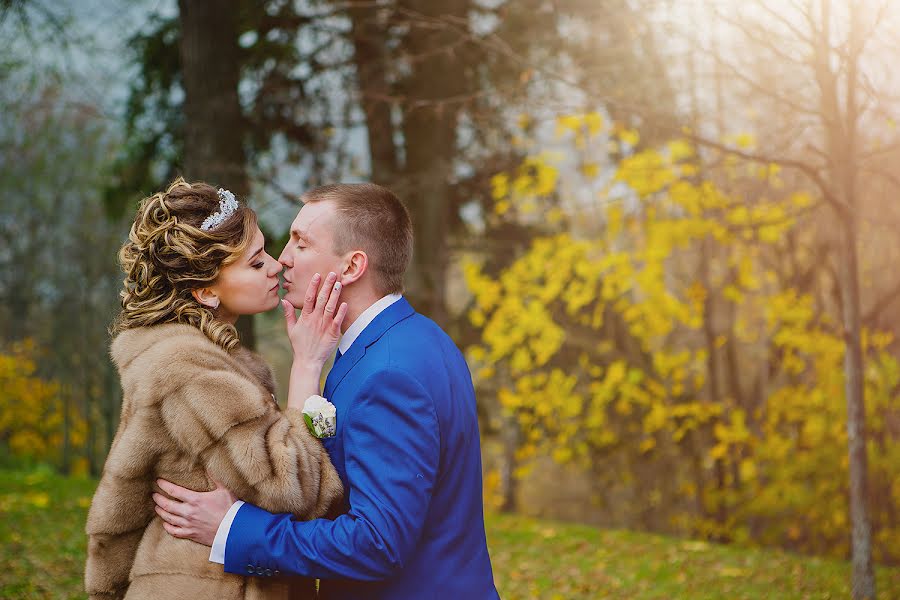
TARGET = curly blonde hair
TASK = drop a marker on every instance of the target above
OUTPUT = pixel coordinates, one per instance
(167, 255)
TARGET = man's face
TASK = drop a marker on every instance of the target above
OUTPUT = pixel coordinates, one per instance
(310, 250)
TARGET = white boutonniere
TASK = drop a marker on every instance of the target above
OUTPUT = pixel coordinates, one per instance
(320, 416)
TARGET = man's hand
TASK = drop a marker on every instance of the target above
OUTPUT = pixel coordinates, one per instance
(193, 515)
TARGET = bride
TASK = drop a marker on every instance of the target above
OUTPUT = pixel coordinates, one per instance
(198, 409)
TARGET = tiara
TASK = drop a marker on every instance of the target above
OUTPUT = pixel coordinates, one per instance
(227, 205)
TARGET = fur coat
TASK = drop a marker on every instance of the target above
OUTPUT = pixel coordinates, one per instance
(190, 408)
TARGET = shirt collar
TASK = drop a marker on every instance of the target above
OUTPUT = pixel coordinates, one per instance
(363, 320)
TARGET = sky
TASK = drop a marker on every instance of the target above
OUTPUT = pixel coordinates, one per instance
(87, 42)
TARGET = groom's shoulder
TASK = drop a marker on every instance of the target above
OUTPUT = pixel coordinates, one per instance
(419, 333)
(417, 344)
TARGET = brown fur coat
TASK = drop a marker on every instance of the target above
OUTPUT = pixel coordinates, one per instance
(189, 408)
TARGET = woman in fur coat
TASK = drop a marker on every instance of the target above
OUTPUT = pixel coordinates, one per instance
(197, 407)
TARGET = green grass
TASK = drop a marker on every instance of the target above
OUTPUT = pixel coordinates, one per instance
(42, 547)
(541, 559)
(42, 541)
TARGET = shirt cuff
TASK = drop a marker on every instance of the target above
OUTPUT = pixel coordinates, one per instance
(217, 553)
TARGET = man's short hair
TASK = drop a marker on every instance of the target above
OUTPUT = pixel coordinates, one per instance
(371, 218)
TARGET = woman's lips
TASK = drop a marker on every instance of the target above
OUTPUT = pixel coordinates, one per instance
(274, 288)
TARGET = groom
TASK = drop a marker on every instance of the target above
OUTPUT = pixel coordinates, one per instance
(407, 446)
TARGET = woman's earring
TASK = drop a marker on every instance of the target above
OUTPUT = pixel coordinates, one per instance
(215, 304)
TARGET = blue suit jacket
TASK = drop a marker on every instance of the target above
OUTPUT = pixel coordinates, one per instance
(408, 452)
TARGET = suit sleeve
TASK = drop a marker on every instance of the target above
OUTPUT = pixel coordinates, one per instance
(262, 455)
(392, 450)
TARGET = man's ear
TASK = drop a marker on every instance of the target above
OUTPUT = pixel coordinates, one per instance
(357, 265)
(206, 297)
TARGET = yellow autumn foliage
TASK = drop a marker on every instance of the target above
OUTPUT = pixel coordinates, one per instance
(32, 418)
(601, 347)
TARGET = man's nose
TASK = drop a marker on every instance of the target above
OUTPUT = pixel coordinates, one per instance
(284, 257)
(275, 267)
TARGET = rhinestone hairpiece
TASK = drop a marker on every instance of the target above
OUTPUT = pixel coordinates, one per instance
(227, 205)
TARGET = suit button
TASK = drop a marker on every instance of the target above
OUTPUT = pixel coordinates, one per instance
(250, 569)
(276, 572)
(268, 572)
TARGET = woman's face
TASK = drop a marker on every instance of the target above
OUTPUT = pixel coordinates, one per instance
(248, 285)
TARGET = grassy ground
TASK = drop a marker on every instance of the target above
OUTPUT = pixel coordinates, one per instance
(42, 553)
(42, 541)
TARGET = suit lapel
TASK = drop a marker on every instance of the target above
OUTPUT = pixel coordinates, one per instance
(393, 314)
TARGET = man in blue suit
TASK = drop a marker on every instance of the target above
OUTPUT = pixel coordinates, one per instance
(407, 446)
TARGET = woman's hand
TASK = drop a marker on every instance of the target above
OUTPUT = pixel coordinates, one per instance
(315, 334)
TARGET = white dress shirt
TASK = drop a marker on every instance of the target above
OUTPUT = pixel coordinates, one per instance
(363, 321)
(217, 552)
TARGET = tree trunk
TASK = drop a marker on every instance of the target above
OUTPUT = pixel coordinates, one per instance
(840, 118)
(111, 405)
(370, 41)
(861, 537)
(66, 462)
(863, 578)
(91, 421)
(509, 483)
(432, 94)
(214, 123)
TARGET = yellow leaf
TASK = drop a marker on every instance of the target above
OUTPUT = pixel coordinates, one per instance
(680, 150)
(590, 170)
(500, 186)
(38, 499)
(744, 140)
(630, 137)
(718, 451)
(524, 121)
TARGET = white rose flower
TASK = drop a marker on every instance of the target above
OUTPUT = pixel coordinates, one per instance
(320, 416)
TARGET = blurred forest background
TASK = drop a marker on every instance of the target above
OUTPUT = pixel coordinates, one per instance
(661, 230)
